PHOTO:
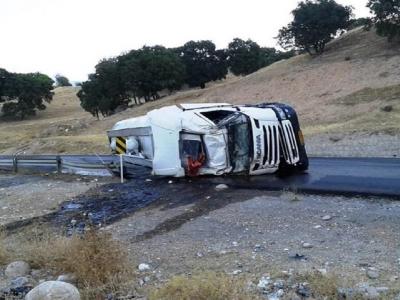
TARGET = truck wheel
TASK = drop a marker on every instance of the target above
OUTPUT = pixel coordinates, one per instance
(285, 169)
(302, 165)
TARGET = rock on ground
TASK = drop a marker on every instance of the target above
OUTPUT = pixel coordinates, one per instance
(143, 267)
(327, 217)
(372, 274)
(17, 269)
(70, 278)
(221, 187)
(17, 288)
(54, 290)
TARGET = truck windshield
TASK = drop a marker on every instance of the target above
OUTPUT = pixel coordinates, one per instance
(239, 140)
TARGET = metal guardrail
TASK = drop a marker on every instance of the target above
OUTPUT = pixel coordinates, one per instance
(75, 164)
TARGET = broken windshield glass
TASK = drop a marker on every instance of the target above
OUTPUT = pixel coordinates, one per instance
(239, 143)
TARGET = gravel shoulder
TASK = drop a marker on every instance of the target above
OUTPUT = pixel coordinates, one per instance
(194, 227)
(263, 234)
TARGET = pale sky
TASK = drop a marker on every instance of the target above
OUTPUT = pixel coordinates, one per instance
(71, 36)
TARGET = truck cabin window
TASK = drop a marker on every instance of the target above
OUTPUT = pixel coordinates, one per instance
(217, 115)
(192, 153)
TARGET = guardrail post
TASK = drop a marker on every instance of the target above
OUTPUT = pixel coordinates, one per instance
(15, 163)
(121, 167)
(59, 164)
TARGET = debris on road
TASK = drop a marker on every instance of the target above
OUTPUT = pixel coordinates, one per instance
(143, 267)
(221, 187)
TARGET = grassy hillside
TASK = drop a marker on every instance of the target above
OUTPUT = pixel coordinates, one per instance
(353, 87)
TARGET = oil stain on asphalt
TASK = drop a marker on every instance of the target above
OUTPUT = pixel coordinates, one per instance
(109, 203)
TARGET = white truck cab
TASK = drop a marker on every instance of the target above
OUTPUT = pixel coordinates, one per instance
(212, 138)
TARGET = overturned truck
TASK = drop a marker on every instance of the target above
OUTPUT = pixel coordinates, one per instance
(212, 138)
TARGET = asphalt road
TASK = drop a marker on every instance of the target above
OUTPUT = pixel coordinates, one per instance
(342, 176)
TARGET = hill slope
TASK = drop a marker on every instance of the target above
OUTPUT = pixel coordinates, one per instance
(342, 92)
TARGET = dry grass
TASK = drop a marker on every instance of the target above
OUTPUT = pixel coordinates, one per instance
(368, 94)
(322, 286)
(100, 264)
(204, 286)
(4, 252)
(372, 120)
(95, 258)
(326, 287)
(71, 144)
(119, 286)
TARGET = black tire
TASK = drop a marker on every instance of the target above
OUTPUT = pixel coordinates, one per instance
(285, 170)
(288, 170)
(302, 165)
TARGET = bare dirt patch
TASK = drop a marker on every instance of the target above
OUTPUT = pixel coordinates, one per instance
(26, 196)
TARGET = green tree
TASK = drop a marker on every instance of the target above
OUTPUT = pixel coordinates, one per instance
(386, 17)
(245, 57)
(62, 80)
(315, 23)
(103, 92)
(90, 95)
(3, 80)
(23, 94)
(203, 62)
(149, 70)
(138, 74)
(271, 55)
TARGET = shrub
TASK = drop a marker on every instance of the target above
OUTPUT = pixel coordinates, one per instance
(204, 286)
(94, 258)
(61, 80)
(322, 286)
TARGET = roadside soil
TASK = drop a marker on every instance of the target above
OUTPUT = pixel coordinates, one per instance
(183, 226)
(23, 197)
